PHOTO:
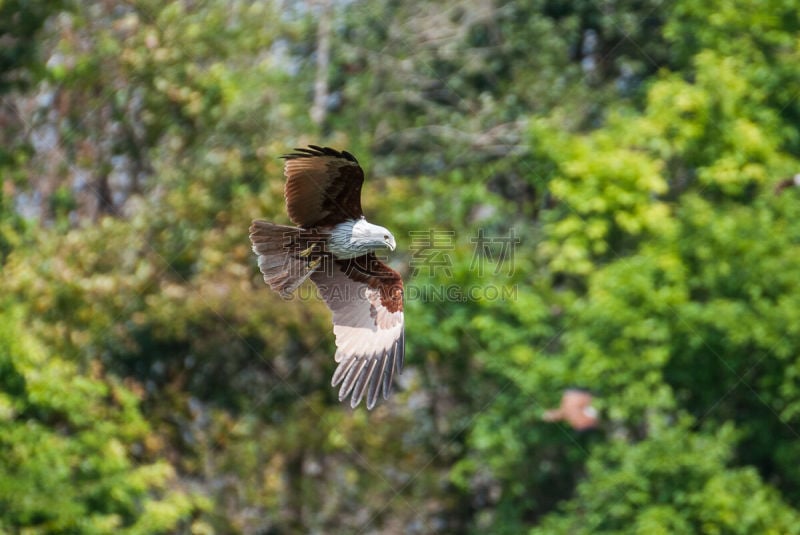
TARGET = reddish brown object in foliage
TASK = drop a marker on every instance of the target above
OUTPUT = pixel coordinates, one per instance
(791, 182)
(576, 409)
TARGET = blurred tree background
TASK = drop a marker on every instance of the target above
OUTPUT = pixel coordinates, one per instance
(151, 383)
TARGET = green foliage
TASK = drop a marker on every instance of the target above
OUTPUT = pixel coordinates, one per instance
(20, 21)
(675, 481)
(66, 441)
(150, 383)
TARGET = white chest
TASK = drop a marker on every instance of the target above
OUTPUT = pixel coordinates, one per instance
(342, 243)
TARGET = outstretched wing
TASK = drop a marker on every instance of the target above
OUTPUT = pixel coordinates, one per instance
(366, 297)
(323, 186)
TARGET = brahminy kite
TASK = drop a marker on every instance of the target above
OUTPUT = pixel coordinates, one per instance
(334, 245)
(576, 409)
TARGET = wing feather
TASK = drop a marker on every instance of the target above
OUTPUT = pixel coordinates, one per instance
(341, 372)
(323, 186)
(366, 298)
(375, 383)
(352, 377)
(363, 379)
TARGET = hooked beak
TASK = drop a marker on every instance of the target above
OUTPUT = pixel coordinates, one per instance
(390, 243)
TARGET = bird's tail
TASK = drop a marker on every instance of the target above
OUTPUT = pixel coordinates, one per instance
(553, 415)
(287, 256)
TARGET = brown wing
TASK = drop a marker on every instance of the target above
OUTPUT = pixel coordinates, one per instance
(366, 297)
(323, 186)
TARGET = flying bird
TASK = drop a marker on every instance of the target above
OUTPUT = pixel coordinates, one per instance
(334, 245)
(792, 181)
(576, 409)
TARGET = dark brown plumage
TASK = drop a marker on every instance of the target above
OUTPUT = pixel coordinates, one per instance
(789, 182)
(323, 197)
(323, 186)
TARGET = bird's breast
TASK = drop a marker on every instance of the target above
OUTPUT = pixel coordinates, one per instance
(341, 243)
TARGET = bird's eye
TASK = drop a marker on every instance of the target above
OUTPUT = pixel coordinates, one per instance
(385, 237)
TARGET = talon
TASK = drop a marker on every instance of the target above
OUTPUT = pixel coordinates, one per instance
(314, 264)
(305, 252)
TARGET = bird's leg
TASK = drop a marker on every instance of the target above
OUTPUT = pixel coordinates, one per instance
(306, 252)
(314, 264)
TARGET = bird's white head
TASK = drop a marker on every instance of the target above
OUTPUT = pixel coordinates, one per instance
(367, 236)
(356, 238)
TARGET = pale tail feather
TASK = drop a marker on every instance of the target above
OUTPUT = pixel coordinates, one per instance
(282, 272)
